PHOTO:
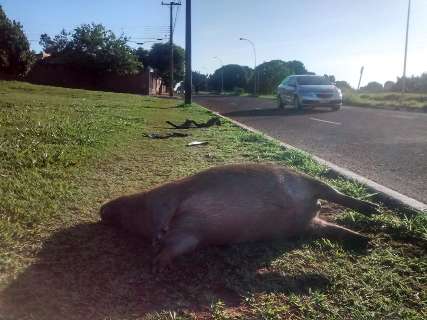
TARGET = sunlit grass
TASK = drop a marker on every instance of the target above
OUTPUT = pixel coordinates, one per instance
(391, 100)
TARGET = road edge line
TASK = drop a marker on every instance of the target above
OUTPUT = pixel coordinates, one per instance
(387, 196)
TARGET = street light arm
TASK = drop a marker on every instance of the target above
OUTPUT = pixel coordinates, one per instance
(220, 60)
(255, 65)
(253, 47)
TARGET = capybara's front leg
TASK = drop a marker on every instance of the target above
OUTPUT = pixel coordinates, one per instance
(174, 244)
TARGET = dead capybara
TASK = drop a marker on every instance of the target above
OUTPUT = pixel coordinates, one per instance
(230, 204)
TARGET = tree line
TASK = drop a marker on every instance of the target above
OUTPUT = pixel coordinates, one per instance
(93, 48)
(414, 84)
(234, 77)
(88, 48)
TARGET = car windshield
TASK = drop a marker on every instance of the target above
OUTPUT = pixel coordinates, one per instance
(312, 81)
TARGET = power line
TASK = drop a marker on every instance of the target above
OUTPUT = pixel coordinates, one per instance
(176, 17)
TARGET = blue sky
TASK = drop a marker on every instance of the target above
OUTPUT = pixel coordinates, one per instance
(328, 36)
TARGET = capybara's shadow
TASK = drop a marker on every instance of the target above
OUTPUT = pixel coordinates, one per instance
(91, 271)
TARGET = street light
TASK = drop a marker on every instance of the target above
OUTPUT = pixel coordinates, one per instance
(406, 49)
(222, 73)
(255, 72)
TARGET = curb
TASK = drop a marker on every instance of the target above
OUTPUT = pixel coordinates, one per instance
(387, 196)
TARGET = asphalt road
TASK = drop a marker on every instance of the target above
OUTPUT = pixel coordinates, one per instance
(388, 147)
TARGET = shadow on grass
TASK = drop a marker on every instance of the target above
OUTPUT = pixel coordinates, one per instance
(90, 271)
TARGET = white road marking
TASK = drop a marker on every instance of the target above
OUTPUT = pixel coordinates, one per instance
(402, 117)
(331, 122)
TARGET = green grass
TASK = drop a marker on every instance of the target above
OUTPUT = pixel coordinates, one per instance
(64, 152)
(268, 96)
(392, 100)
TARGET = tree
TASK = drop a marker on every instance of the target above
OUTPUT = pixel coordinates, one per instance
(93, 48)
(296, 67)
(57, 45)
(416, 84)
(343, 85)
(159, 56)
(330, 77)
(373, 87)
(15, 54)
(200, 81)
(389, 85)
(271, 73)
(235, 76)
(142, 56)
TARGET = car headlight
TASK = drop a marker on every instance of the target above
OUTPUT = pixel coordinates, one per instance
(339, 93)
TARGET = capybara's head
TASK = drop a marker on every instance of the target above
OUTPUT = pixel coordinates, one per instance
(111, 212)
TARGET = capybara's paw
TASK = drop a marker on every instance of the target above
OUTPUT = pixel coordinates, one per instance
(371, 208)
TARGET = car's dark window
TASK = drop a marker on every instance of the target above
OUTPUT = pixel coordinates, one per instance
(292, 82)
(311, 80)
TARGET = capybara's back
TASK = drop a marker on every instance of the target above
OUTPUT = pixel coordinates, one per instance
(238, 203)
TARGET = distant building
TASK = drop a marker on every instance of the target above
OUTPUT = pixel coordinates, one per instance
(53, 71)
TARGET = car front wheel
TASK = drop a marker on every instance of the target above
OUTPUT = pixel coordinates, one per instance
(297, 104)
(336, 108)
(280, 103)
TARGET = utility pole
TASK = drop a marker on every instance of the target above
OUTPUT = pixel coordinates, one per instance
(171, 5)
(406, 49)
(360, 79)
(188, 75)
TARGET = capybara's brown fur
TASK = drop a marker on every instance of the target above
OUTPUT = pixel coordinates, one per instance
(230, 204)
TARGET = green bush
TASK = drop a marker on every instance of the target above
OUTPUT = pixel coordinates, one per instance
(238, 91)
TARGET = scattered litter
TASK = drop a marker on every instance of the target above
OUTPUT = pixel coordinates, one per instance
(196, 143)
(187, 124)
(166, 135)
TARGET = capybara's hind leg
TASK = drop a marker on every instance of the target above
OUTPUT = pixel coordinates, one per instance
(323, 229)
(175, 244)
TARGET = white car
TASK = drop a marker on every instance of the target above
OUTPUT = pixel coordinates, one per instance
(308, 91)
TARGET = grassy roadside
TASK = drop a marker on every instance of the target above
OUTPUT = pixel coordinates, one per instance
(64, 152)
(393, 100)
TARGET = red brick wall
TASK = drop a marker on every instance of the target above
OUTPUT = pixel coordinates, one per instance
(57, 75)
